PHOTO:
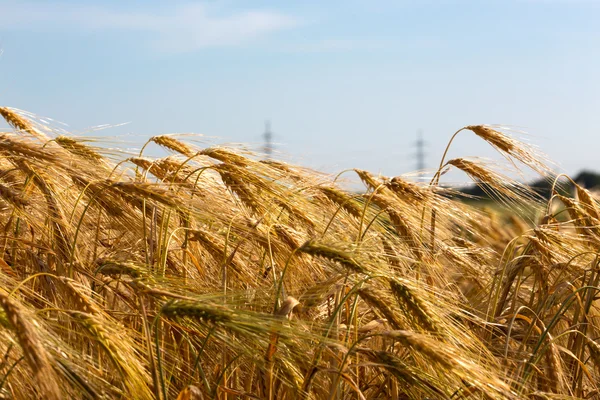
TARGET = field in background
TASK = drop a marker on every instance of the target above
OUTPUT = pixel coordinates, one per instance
(213, 274)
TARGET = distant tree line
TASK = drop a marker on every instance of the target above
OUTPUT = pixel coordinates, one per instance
(587, 179)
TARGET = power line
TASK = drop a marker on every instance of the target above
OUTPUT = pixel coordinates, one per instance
(420, 156)
(268, 136)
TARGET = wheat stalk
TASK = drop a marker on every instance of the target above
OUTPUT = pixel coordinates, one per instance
(35, 354)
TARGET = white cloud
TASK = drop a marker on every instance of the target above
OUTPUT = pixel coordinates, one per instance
(178, 28)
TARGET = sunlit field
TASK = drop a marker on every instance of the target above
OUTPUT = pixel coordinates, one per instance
(212, 273)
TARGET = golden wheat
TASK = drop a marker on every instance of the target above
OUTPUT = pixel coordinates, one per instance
(212, 274)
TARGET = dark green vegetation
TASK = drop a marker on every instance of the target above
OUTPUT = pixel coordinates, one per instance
(543, 187)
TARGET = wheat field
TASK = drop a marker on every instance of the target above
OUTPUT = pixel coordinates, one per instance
(212, 274)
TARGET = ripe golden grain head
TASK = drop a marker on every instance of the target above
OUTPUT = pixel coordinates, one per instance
(495, 138)
(473, 169)
(588, 202)
(226, 156)
(408, 190)
(77, 148)
(34, 351)
(328, 251)
(21, 124)
(341, 199)
(169, 142)
(368, 179)
(413, 306)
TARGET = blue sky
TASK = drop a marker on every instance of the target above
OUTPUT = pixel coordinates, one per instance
(345, 83)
